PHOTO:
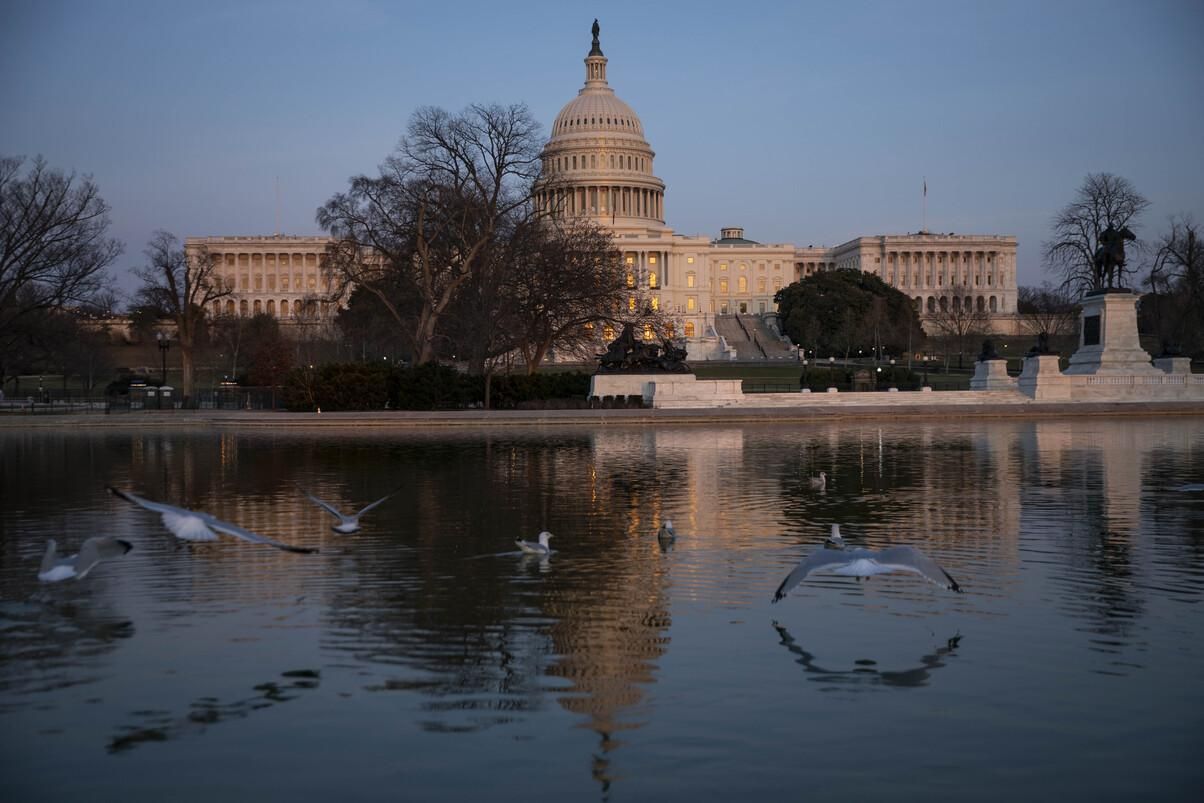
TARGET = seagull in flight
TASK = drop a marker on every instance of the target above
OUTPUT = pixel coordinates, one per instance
(196, 525)
(91, 552)
(533, 548)
(665, 533)
(866, 563)
(347, 524)
(818, 483)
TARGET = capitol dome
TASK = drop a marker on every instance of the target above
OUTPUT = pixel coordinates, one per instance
(597, 162)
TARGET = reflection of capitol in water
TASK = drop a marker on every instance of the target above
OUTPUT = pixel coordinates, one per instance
(1064, 507)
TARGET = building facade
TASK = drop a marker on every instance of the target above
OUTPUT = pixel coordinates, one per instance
(598, 163)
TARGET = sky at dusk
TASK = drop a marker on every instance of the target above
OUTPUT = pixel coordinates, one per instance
(806, 123)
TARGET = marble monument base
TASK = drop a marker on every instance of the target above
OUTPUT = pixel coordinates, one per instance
(624, 385)
(991, 375)
(1108, 341)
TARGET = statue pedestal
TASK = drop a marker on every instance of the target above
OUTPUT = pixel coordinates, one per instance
(1108, 342)
(1173, 365)
(991, 375)
(1043, 379)
(624, 385)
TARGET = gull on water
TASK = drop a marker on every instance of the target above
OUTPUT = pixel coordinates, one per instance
(834, 539)
(347, 524)
(196, 525)
(91, 552)
(534, 548)
(665, 533)
(866, 563)
(818, 483)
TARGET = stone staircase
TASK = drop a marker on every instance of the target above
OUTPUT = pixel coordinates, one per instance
(752, 338)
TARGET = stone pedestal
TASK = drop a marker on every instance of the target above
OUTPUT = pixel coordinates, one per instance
(991, 375)
(1108, 342)
(1043, 379)
(624, 385)
(1173, 365)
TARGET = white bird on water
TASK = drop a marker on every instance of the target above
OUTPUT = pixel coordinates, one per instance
(834, 539)
(91, 552)
(347, 524)
(533, 548)
(665, 533)
(196, 525)
(866, 563)
(818, 483)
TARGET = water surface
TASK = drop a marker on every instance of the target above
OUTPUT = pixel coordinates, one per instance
(423, 659)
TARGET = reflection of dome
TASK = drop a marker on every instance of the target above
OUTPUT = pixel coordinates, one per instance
(597, 161)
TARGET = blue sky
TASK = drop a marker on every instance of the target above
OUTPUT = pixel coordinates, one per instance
(807, 123)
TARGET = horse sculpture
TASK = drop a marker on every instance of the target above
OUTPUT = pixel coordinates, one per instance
(1109, 260)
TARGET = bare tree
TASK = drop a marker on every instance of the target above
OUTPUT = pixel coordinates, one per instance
(1103, 201)
(1177, 281)
(181, 285)
(959, 324)
(567, 284)
(414, 235)
(53, 248)
(1048, 309)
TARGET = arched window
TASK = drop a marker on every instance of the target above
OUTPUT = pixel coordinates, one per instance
(647, 331)
(723, 285)
(242, 307)
(742, 284)
(631, 280)
(957, 303)
(761, 284)
(994, 305)
(982, 304)
(652, 279)
(297, 309)
(691, 303)
(631, 303)
(272, 307)
(257, 307)
(931, 304)
(917, 303)
(689, 328)
(944, 303)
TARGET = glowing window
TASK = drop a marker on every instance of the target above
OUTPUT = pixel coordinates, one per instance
(691, 303)
(722, 266)
(742, 284)
(723, 285)
(647, 331)
(651, 260)
(656, 302)
(631, 280)
(689, 260)
(608, 332)
(630, 260)
(631, 303)
(691, 277)
(689, 328)
(652, 279)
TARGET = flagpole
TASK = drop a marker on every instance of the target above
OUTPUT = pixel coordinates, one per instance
(924, 206)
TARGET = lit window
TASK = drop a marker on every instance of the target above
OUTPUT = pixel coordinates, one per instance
(651, 260)
(656, 303)
(691, 303)
(722, 266)
(647, 331)
(631, 303)
(652, 279)
(742, 284)
(631, 280)
(723, 285)
(690, 279)
(669, 330)
(761, 284)
(689, 328)
(743, 266)
(630, 260)
(689, 260)
(608, 332)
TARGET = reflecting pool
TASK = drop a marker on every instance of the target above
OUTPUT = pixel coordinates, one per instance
(425, 658)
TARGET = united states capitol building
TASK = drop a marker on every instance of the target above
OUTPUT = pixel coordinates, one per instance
(598, 163)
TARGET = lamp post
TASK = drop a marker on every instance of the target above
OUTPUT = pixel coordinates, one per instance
(803, 380)
(164, 345)
(925, 370)
(831, 372)
(893, 382)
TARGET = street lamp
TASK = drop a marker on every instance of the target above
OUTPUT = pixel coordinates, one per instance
(803, 380)
(893, 383)
(831, 372)
(164, 345)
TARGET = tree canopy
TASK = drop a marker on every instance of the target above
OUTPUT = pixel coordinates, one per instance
(1103, 201)
(837, 312)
